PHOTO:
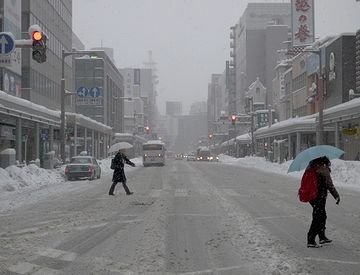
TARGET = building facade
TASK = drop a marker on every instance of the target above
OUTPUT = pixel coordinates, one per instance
(99, 90)
(173, 108)
(256, 37)
(41, 82)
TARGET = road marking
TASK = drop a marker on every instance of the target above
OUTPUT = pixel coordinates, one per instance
(91, 226)
(57, 254)
(274, 217)
(214, 270)
(47, 271)
(181, 193)
(192, 215)
(24, 231)
(331, 261)
(23, 268)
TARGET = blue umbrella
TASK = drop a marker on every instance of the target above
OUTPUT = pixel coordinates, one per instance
(302, 160)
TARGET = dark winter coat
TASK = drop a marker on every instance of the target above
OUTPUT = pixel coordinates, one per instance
(119, 173)
(325, 183)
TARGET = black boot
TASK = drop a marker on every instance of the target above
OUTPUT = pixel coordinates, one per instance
(126, 188)
(322, 238)
(112, 188)
(311, 241)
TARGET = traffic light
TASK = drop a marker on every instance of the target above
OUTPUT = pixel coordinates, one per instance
(210, 136)
(147, 129)
(233, 119)
(38, 44)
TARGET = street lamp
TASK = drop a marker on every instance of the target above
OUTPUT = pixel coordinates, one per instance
(62, 98)
(320, 126)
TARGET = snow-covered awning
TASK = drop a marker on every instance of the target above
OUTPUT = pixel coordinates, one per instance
(228, 142)
(19, 107)
(88, 123)
(342, 112)
(244, 139)
(292, 125)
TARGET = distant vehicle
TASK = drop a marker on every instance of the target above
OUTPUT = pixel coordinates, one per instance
(214, 158)
(178, 156)
(170, 154)
(203, 154)
(153, 153)
(83, 167)
(191, 157)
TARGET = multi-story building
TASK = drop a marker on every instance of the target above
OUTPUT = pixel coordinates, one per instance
(41, 82)
(339, 67)
(134, 105)
(198, 108)
(140, 83)
(99, 90)
(257, 36)
(214, 92)
(173, 108)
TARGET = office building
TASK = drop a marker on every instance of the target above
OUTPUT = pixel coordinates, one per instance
(256, 37)
(99, 90)
(41, 82)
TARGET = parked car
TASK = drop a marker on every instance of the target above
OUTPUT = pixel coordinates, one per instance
(83, 167)
(178, 156)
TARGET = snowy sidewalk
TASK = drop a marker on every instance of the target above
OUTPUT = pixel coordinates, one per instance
(344, 173)
(19, 186)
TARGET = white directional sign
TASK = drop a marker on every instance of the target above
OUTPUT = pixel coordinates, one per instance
(7, 46)
(7, 43)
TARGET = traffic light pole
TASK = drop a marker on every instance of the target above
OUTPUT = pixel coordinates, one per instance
(62, 107)
(63, 95)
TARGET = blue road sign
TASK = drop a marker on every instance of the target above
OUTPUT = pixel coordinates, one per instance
(7, 43)
(82, 92)
(95, 92)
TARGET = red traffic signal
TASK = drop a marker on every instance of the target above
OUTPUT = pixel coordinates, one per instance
(233, 119)
(37, 36)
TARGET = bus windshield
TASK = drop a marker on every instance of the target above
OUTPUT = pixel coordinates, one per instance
(148, 147)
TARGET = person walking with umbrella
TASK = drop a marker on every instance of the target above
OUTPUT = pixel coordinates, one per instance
(325, 184)
(117, 164)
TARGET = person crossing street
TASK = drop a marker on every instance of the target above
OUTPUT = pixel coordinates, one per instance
(117, 164)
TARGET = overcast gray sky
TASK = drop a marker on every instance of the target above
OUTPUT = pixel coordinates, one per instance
(189, 38)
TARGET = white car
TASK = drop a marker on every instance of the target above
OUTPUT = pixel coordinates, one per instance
(83, 167)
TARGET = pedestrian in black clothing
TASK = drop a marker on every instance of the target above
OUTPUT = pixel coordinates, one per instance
(325, 184)
(119, 174)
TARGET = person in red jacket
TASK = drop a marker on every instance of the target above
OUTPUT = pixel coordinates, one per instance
(325, 184)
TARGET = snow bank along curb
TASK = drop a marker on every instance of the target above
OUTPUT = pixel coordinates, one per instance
(344, 173)
(31, 176)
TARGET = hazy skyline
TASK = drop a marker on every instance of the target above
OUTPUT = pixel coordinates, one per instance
(189, 38)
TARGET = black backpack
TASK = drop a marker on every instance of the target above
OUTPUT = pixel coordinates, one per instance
(115, 165)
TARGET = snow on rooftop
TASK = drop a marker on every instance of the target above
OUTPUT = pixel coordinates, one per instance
(291, 121)
(90, 120)
(244, 137)
(28, 104)
(354, 103)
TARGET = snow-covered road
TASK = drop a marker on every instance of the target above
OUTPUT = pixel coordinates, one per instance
(184, 218)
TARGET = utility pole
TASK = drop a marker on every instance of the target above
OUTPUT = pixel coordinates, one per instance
(64, 54)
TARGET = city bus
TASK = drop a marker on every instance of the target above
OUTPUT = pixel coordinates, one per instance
(154, 153)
